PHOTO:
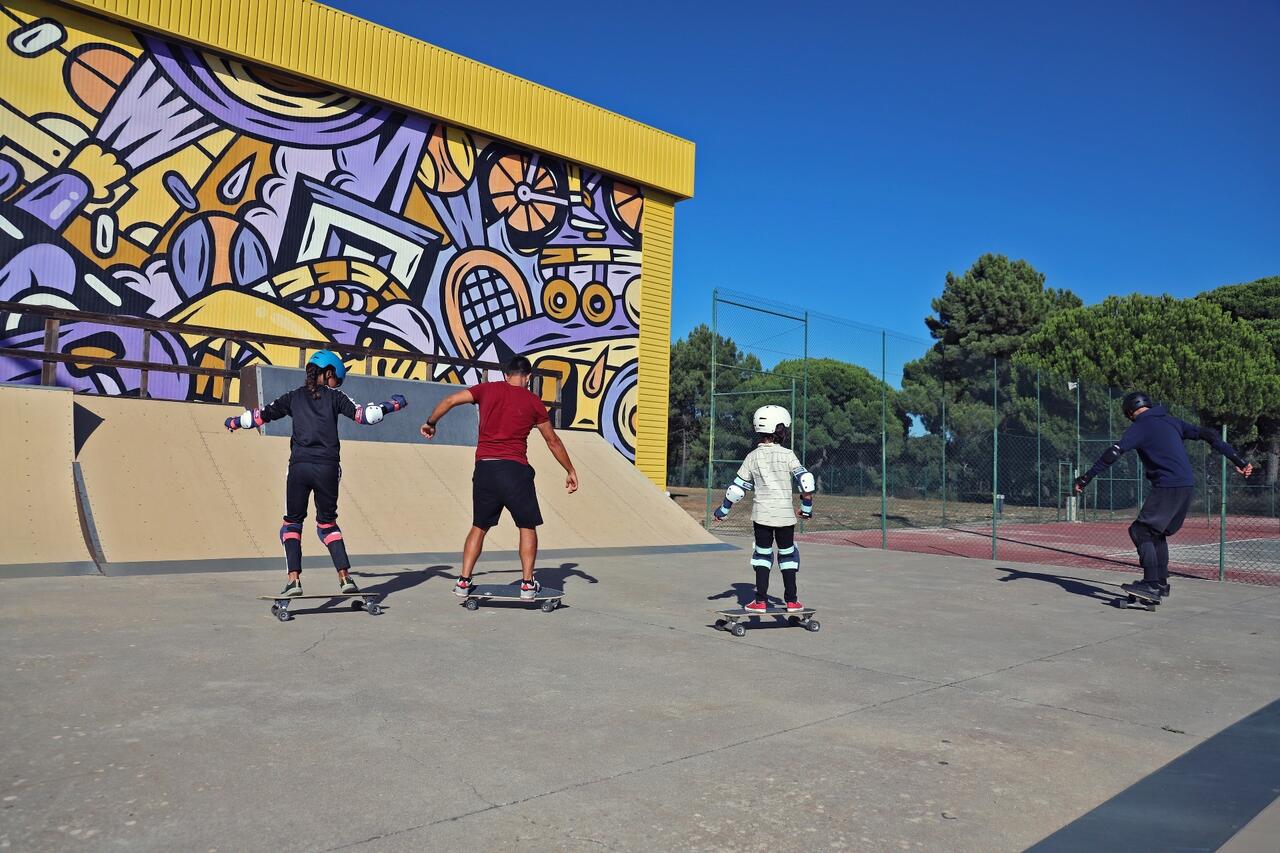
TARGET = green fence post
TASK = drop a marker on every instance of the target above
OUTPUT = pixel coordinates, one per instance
(1111, 472)
(995, 448)
(804, 369)
(1039, 472)
(944, 436)
(1222, 519)
(711, 423)
(884, 450)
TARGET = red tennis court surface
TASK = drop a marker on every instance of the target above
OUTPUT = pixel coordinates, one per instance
(1252, 549)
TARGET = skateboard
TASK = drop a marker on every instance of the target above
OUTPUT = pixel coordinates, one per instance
(366, 601)
(734, 620)
(1133, 600)
(546, 598)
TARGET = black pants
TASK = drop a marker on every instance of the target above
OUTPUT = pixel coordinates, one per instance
(1161, 516)
(306, 479)
(788, 559)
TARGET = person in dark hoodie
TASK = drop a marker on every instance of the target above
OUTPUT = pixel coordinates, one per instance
(1158, 436)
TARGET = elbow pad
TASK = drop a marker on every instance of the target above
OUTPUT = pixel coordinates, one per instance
(806, 481)
(370, 413)
(1111, 454)
(732, 495)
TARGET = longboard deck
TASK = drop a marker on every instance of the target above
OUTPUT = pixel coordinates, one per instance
(511, 591)
(772, 611)
(330, 595)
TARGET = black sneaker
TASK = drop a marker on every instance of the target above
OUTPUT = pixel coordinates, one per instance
(292, 589)
(1164, 590)
(347, 585)
(1143, 590)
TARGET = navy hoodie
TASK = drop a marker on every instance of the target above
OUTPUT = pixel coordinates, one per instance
(1158, 436)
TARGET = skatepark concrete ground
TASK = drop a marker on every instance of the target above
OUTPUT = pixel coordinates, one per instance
(946, 704)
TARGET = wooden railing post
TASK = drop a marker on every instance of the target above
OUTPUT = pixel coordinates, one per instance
(49, 369)
(226, 366)
(146, 356)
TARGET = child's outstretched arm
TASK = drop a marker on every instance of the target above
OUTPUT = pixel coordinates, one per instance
(807, 485)
(250, 418)
(736, 492)
(372, 413)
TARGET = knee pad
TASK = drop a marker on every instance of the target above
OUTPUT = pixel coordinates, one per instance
(290, 531)
(762, 558)
(789, 559)
(328, 533)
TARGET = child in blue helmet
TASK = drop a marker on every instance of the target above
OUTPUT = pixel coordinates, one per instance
(314, 459)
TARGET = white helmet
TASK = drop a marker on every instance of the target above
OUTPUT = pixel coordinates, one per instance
(767, 419)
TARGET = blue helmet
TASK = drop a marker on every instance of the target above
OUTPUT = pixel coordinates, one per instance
(325, 358)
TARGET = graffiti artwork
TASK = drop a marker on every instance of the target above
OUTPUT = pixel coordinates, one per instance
(144, 177)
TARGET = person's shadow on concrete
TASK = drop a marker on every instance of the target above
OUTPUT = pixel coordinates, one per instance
(553, 577)
(745, 593)
(400, 581)
(1075, 586)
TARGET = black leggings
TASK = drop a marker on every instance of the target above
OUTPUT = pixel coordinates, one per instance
(305, 479)
(765, 538)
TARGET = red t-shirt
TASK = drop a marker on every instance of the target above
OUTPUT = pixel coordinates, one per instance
(507, 413)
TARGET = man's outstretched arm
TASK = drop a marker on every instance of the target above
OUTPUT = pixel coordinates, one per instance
(556, 446)
(442, 408)
(1215, 441)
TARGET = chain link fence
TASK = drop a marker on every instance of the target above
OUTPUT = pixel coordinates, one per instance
(918, 448)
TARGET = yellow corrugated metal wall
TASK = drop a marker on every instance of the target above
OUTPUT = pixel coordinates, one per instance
(392, 67)
(655, 337)
(389, 66)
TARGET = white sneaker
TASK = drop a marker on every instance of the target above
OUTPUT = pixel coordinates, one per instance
(463, 587)
(529, 589)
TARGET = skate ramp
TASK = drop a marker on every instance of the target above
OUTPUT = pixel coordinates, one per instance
(40, 530)
(171, 490)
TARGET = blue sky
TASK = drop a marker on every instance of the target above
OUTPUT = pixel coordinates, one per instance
(850, 154)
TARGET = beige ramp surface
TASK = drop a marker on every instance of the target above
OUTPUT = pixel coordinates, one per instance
(39, 521)
(168, 483)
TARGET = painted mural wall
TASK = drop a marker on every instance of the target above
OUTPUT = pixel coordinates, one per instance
(145, 177)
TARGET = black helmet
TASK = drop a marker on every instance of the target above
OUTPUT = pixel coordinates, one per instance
(1135, 400)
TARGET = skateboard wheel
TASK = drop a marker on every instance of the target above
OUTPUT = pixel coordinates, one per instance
(374, 608)
(794, 620)
(356, 604)
(738, 630)
(471, 604)
(720, 624)
(813, 625)
(282, 615)
(548, 606)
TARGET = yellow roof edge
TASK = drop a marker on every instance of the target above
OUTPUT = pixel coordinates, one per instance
(497, 103)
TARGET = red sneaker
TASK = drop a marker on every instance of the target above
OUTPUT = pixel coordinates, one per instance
(756, 606)
(793, 606)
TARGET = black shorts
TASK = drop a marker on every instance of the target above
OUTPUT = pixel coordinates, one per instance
(499, 484)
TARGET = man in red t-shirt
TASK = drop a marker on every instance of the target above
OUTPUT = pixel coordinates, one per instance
(504, 478)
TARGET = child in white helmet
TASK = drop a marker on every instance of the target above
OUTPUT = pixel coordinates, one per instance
(768, 472)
